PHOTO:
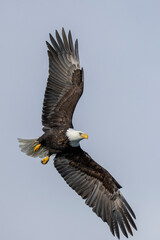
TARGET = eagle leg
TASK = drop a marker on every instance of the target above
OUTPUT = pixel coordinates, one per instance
(45, 160)
(37, 147)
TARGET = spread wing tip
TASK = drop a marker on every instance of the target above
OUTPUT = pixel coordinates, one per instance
(65, 46)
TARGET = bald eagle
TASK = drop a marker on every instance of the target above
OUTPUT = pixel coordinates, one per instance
(91, 181)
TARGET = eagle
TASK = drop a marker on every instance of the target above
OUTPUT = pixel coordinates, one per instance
(90, 180)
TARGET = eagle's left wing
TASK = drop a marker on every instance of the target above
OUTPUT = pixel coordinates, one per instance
(98, 187)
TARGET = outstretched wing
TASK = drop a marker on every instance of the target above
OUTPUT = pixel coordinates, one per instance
(65, 82)
(98, 187)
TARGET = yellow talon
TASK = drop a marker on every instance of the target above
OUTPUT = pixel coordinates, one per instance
(37, 147)
(45, 160)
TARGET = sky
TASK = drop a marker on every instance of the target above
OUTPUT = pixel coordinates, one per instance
(119, 47)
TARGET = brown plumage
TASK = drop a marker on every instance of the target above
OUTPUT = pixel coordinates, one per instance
(98, 187)
(91, 181)
(65, 82)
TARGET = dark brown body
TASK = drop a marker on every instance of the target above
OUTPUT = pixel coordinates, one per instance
(55, 140)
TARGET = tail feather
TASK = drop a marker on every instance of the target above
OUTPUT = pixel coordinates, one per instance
(27, 146)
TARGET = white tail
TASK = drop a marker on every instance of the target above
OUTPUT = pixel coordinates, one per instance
(27, 146)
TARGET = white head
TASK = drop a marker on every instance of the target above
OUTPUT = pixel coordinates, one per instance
(75, 137)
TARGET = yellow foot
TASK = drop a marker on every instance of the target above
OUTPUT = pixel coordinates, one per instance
(37, 147)
(45, 160)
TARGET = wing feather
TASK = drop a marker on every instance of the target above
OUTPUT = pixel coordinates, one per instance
(70, 42)
(65, 41)
(57, 48)
(99, 189)
(76, 50)
(59, 40)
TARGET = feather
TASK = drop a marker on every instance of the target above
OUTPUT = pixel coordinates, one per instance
(57, 48)
(59, 40)
(76, 50)
(70, 42)
(65, 41)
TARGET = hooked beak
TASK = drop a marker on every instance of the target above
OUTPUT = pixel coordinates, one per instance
(84, 135)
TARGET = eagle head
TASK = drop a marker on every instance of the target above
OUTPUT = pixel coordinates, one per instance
(75, 137)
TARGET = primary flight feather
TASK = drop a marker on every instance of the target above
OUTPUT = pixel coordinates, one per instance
(91, 181)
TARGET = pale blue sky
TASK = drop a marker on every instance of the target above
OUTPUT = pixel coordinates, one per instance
(119, 43)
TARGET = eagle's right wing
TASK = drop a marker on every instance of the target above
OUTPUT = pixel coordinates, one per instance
(65, 82)
(98, 187)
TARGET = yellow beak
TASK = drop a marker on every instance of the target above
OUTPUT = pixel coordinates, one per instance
(84, 135)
